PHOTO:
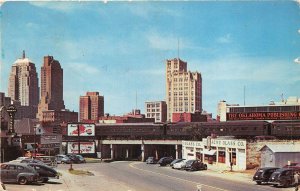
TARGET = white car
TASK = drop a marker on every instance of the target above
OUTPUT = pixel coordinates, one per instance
(180, 165)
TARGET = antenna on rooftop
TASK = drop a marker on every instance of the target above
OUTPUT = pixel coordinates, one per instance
(244, 95)
(135, 100)
(23, 54)
(178, 48)
(282, 99)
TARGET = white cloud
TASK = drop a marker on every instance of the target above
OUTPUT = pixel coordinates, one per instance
(299, 31)
(151, 9)
(169, 42)
(82, 68)
(248, 69)
(224, 39)
(297, 60)
(56, 5)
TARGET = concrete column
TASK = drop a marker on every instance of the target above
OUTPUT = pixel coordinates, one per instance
(217, 156)
(143, 152)
(111, 151)
(156, 154)
(127, 153)
(176, 149)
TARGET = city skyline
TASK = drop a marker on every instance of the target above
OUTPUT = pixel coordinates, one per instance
(119, 48)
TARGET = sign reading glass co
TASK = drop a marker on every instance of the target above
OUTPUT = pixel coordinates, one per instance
(81, 129)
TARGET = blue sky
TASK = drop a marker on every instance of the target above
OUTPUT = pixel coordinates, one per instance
(120, 48)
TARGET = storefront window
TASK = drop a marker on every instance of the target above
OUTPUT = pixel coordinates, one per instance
(210, 159)
(222, 156)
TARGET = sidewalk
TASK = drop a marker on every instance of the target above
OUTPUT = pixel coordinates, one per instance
(241, 176)
(73, 182)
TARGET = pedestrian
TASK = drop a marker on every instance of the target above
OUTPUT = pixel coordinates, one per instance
(296, 180)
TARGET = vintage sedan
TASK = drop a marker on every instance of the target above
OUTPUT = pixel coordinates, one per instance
(150, 160)
(262, 175)
(44, 171)
(164, 161)
(63, 159)
(180, 165)
(175, 161)
(18, 172)
(283, 177)
(195, 165)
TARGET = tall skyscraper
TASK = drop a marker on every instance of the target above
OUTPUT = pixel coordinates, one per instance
(51, 86)
(23, 82)
(91, 106)
(183, 88)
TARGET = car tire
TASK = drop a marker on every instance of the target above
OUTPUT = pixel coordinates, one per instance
(45, 180)
(258, 182)
(22, 180)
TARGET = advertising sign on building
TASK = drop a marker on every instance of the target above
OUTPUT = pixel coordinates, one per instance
(263, 116)
(85, 147)
(84, 129)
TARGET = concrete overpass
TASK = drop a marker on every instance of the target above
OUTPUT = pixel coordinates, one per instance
(139, 149)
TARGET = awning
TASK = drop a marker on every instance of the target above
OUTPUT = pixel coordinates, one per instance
(209, 152)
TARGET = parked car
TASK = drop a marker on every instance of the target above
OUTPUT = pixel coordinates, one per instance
(19, 159)
(81, 159)
(283, 177)
(18, 172)
(292, 165)
(164, 161)
(48, 160)
(262, 175)
(45, 172)
(63, 159)
(75, 158)
(195, 165)
(150, 160)
(180, 165)
(175, 161)
(32, 161)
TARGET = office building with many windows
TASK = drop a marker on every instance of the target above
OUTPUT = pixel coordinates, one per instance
(156, 110)
(183, 88)
(51, 87)
(91, 107)
(23, 85)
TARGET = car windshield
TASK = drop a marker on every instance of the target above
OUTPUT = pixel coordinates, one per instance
(189, 162)
(79, 156)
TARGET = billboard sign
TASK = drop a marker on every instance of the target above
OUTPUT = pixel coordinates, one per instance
(263, 116)
(85, 147)
(84, 129)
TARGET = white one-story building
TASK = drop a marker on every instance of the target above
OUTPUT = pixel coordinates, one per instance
(221, 153)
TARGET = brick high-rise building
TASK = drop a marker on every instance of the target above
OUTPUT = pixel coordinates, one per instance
(51, 86)
(91, 106)
(23, 84)
(183, 88)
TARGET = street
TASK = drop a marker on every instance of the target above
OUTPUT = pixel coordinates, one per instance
(138, 176)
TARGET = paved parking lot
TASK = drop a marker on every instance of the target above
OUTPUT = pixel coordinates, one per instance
(137, 176)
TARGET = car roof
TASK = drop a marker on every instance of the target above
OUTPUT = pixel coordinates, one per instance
(268, 168)
(15, 163)
(286, 169)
